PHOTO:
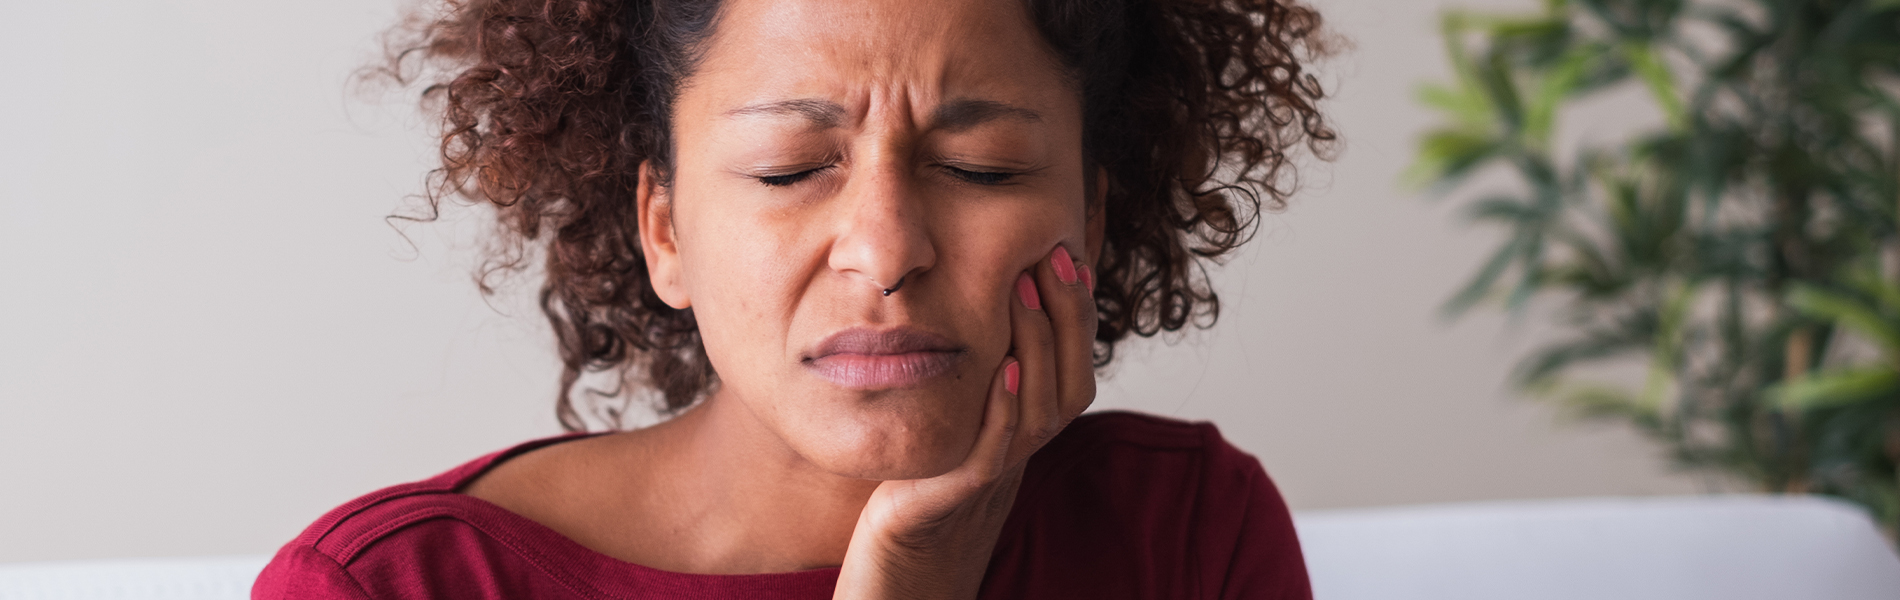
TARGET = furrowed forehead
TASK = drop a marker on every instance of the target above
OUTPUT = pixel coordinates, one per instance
(955, 115)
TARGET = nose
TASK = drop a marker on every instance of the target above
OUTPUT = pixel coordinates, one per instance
(882, 236)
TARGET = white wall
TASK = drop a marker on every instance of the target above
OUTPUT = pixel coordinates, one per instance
(209, 335)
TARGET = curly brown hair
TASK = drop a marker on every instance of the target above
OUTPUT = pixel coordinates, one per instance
(548, 108)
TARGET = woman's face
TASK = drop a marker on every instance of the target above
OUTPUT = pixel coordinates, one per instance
(824, 150)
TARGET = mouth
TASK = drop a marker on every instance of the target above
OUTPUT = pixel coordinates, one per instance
(866, 359)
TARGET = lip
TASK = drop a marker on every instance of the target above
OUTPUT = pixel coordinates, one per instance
(868, 359)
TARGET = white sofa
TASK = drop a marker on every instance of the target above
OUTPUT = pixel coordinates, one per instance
(1680, 548)
(1685, 548)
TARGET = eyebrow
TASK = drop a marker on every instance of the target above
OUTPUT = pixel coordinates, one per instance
(820, 112)
(955, 115)
(964, 114)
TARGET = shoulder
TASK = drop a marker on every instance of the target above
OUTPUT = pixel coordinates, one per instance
(1142, 450)
(1166, 505)
(1139, 429)
(398, 536)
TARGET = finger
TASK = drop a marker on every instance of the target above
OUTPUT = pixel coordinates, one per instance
(991, 454)
(1034, 344)
(1070, 307)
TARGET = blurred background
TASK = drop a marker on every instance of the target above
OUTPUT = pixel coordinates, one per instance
(209, 334)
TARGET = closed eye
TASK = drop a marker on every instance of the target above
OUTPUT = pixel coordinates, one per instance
(981, 177)
(789, 178)
(976, 177)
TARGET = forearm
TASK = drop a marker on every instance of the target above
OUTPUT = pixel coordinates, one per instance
(943, 559)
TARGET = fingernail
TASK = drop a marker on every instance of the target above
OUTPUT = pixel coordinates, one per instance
(1011, 375)
(1065, 266)
(1026, 289)
(1088, 277)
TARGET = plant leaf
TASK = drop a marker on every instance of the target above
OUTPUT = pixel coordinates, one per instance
(1835, 388)
(1848, 312)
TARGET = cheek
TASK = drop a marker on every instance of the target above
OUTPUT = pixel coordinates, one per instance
(1004, 240)
(1012, 237)
(745, 275)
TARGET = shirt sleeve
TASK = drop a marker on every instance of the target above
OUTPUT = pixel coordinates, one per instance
(1252, 528)
(299, 572)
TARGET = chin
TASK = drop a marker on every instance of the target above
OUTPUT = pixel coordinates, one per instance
(894, 438)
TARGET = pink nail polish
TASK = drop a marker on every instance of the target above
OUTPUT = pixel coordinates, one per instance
(1088, 277)
(1065, 266)
(1012, 375)
(1026, 289)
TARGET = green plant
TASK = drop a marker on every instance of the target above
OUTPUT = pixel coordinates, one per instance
(1746, 249)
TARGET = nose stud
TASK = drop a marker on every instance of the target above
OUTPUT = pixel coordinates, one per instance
(893, 289)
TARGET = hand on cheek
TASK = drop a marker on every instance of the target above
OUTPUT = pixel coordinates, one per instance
(931, 538)
(1052, 335)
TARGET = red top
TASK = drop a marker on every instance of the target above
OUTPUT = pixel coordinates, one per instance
(1119, 505)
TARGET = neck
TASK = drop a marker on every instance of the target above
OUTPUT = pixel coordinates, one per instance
(757, 506)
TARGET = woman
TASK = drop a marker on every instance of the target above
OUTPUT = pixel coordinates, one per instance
(869, 254)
